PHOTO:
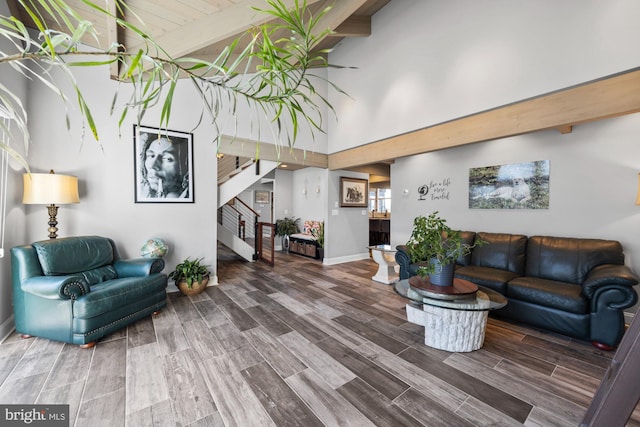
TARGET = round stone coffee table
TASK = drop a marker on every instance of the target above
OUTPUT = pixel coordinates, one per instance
(452, 325)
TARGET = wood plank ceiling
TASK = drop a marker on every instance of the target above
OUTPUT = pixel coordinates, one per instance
(203, 28)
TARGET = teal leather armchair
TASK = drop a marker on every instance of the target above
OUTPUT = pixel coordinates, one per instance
(78, 289)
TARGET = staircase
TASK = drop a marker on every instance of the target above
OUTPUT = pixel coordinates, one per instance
(237, 222)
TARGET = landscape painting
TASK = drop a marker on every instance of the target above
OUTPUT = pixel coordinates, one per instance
(510, 186)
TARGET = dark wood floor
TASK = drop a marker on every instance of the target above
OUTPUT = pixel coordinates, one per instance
(302, 344)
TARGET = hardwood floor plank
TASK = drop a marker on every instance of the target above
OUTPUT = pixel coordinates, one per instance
(280, 401)
(188, 392)
(141, 332)
(378, 378)
(568, 411)
(278, 355)
(71, 365)
(211, 313)
(202, 341)
(377, 313)
(183, 307)
(169, 334)
(300, 324)
(238, 316)
(107, 372)
(427, 411)
(234, 399)
(230, 337)
(371, 334)
(22, 389)
(290, 303)
(158, 415)
(333, 372)
(274, 325)
(375, 406)
(146, 381)
(465, 381)
(429, 385)
(480, 414)
(39, 358)
(326, 403)
(334, 330)
(11, 351)
(105, 411)
(70, 394)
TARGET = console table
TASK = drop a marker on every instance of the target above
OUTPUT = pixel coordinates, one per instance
(451, 325)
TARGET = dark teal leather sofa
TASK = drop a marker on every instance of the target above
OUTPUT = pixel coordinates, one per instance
(577, 287)
(77, 289)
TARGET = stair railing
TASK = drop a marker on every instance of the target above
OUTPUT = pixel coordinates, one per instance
(239, 218)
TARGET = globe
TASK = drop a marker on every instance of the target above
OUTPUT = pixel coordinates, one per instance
(154, 248)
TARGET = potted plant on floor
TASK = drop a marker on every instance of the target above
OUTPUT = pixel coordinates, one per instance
(190, 276)
(286, 227)
(434, 244)
(318, 234)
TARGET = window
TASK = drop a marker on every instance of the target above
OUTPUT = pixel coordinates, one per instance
(380, 200)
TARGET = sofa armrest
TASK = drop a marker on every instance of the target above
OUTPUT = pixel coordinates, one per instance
(605, 275)
(404, 261)
(138, 266)
(56, 287)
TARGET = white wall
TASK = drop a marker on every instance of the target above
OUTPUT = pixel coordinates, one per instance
(347, 229)
(431, 61)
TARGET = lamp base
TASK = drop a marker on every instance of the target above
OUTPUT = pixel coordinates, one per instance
(53, 222)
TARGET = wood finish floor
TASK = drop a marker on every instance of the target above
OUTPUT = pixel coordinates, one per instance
(302, 344)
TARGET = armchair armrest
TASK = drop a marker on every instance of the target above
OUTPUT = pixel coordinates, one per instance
(138, 266)
(404, 261)
(56, 287)
(605, 275)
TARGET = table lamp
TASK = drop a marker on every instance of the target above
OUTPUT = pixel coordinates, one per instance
(50, 189)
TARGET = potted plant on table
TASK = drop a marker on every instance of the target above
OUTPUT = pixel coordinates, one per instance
(286, 227)
(190, 276)
(434, 244)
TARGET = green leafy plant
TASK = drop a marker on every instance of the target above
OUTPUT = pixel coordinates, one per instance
(269, 68)
(318, 234)
(190, 271)
(431, 238)
(287, 226)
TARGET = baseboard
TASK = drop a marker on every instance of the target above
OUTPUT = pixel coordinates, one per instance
(340, 260)
(7, 327)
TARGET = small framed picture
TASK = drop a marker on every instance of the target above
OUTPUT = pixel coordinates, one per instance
(163, 162)
(261, 197)
(354, 192)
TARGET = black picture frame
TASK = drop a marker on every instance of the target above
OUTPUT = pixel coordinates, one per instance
(163, 179)
(354, 192)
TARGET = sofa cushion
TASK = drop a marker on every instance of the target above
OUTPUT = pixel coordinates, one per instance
(548, 293)
(568, 259)
(501, 251)
(69, 255)
(109, 295)
(485, 276)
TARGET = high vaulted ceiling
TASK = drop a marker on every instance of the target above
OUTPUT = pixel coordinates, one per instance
(203, 28)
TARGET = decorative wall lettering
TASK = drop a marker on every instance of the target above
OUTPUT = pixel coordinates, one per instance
(435, 190)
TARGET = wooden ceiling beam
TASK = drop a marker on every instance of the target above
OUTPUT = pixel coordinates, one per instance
(338, 13)
(112, 36)
(354, 26)
(242, 147)
(604, 98)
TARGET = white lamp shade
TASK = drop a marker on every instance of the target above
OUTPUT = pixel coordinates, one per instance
(50, 189)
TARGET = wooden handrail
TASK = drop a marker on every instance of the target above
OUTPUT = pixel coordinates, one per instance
(246, 206)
